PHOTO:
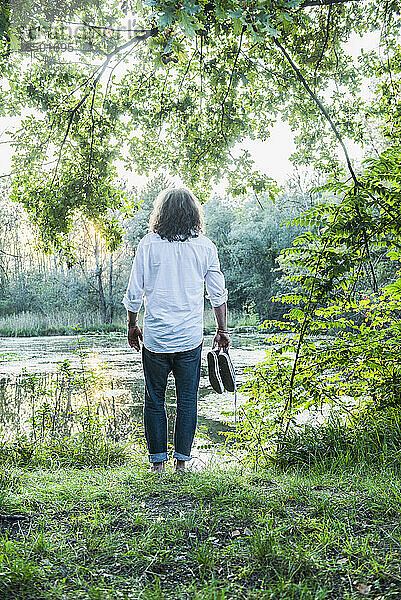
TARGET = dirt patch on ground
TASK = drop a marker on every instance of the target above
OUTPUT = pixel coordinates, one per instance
(167, 504)
(16, 526)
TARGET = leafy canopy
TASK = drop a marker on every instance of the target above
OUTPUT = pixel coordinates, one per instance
(173, 86)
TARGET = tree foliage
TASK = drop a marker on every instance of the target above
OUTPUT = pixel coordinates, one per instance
(249, 239)
(198, 78)
(333, 266)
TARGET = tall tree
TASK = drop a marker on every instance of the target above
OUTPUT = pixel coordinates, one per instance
(199, 77)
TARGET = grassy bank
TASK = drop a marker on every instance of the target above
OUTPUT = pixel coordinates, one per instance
(29, 324)
(123, 532)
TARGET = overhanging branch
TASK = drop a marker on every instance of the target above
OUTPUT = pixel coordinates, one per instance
(133, 41)
(357, 183)
(307, 87)
(326, 2)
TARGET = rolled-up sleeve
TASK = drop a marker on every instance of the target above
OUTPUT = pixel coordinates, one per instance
(214, 279)
(133, 296)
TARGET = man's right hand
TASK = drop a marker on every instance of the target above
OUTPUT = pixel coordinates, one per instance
(134, 335)
(221, 341)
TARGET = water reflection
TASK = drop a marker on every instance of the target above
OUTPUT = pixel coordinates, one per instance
(48, 370)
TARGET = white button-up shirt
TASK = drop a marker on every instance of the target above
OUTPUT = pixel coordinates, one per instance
(170, 277)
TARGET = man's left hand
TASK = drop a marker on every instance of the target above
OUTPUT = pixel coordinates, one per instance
(221, 341)
(134, 335)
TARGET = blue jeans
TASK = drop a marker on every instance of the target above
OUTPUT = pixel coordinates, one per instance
(186, 370)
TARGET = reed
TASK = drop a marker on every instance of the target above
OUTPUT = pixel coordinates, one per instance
(27, 324)
(30, 324)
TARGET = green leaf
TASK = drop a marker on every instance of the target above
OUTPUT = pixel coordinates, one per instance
(15, 41)
(187, 24)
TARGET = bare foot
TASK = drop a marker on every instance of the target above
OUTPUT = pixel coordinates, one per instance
(158, 467)
(179, 466)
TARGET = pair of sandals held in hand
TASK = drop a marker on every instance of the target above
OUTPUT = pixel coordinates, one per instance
(221, 371)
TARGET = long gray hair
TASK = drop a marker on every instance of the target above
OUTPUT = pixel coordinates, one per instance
(177, 215)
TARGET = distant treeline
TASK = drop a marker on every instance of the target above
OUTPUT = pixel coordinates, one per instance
(249, 235)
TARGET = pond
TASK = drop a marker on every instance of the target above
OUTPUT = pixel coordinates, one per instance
(30, 375)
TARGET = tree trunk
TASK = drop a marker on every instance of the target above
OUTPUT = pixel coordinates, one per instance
(111, 304)
(99, 280)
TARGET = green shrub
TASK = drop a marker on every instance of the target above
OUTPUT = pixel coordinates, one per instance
(75, 451)
(369, 437)
(357, 373)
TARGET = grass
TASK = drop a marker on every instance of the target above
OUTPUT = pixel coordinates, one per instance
(29, 324)
(79, 450)
(370, 436)
(222, 534)
(83, 518)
